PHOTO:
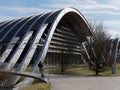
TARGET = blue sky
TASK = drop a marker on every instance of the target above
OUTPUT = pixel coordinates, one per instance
(107, 11)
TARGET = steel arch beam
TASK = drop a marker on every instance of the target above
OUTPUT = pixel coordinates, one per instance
(49, 23)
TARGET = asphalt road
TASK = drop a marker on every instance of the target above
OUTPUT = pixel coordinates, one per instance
(65, 82)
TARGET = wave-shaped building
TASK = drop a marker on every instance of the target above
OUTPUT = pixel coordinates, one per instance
(44, 37)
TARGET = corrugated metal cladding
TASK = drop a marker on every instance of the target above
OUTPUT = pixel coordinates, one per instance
(29, 39)
(70, 30)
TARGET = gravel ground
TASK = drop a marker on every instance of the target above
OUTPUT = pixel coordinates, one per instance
(66, 82)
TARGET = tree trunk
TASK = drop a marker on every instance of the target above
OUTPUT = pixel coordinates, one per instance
(97, 68)
(113, 69)
(97, 72)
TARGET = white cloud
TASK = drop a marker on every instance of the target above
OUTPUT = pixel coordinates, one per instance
(3, 18)
(67, 1)
(108, 12)
(113, 27)
(85, 6)
(113, 23)
(17, 12)
(88, 6)
(114, 33)
(75, 1)
(91, 1)
(114, 2)
(22, 9)
(92, 7)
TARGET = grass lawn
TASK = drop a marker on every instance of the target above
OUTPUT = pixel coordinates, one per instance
(84, 71)
(118, 70)
(38, 86)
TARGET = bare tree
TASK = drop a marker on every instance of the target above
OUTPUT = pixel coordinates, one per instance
(100, 59)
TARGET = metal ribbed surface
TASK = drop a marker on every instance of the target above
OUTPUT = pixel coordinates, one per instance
(52, 32)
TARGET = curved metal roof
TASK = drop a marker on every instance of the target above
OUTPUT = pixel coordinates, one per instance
(20, 38)
(20, 26)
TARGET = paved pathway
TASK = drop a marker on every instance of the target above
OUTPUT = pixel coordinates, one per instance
(64, 82)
